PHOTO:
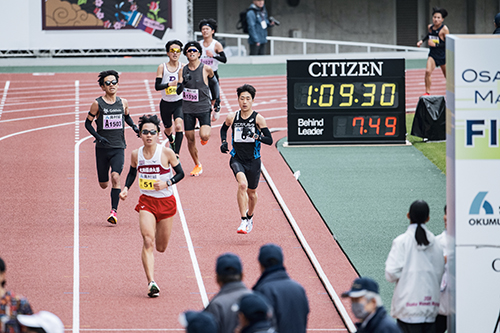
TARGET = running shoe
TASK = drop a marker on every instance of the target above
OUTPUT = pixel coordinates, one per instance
(153, 289)
(426, 94)
(197, 170)
(243, 228)
(112, 217)
(250, 223)
(203, 142)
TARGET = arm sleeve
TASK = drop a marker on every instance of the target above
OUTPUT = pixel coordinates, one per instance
(180, 87)
(132, 173)
(223, 132)
(221, 57)
(266, 138)
(214, 87)
(91, 129)
(179, 174)
(159, 86)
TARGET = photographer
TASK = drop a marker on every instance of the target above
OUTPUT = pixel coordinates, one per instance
(258, 22)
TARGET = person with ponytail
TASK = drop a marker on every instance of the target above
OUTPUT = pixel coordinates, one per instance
(416, 264)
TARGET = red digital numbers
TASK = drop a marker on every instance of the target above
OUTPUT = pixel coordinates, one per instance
(374, 125)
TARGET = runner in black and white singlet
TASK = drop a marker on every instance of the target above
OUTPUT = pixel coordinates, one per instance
(171, 103)
(157, 205)
(110, 113)
(198, 85)
(213, 52)
(436, 37)
(249, 129)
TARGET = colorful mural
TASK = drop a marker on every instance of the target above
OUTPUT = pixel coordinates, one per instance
(153, 17)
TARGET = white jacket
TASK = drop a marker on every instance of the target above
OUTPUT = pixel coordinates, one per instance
(444, 301)
(417, 271)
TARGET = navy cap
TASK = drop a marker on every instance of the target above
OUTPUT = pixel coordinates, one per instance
(254, 307)
(497, 20)
(361, 286)
(228, 264)
(198, 322)
(270, 255)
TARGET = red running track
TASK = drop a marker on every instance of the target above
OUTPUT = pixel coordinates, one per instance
(49, 203)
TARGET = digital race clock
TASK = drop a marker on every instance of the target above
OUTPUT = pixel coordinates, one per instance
(346, 101)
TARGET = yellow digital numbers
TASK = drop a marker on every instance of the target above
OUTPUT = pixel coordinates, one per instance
(356, 94)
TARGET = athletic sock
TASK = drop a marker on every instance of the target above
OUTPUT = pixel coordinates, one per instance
(170, 138)
(115, 198)
(178, 141)
(249, 216)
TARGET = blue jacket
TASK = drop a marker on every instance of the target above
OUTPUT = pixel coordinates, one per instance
(379, 323)
(287, 297)
(256, 33)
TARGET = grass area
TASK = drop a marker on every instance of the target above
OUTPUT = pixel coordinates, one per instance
(434, 151)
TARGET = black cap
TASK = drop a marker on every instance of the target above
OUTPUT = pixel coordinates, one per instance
(198, 322)
(361, 286)
(192, 43)
(270, 255)
(228, 264)
(254, 307)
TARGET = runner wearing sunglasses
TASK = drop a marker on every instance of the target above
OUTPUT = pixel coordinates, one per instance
(157, 205)
(171, 103)
(200, 91)
(110, 113)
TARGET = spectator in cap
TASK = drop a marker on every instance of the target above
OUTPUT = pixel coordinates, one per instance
(286, 296)
(497, 24)
(198, 322)
(41, 322)
(10, 305)
(254, 314)
(416, 264)
(229, 277)
(367, 306)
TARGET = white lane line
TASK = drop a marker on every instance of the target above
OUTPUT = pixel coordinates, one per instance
(225, 101)
(312, 257)
(152, 104)
(4, 97)
(76, 240)
(189, 241)
(77, 111)
(35, 129)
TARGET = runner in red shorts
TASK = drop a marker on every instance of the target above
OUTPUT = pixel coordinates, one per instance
(157, 205)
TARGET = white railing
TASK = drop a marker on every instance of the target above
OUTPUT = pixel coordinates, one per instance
(305, 42)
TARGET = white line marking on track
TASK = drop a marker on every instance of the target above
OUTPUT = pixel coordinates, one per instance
(35, 129)
(225, 101)
(152, 104)
(76, 239)
(4, 97)
(189, 241)
(317, 266)
(77, 110)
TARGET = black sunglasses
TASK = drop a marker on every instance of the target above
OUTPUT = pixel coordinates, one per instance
(146, 132)
(108, 83)
(192, 50)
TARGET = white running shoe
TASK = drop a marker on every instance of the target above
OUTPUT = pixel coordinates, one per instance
(243, 228)
(153, 289)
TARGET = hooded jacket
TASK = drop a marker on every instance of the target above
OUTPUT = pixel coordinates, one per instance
(417, 271)
(256, 19)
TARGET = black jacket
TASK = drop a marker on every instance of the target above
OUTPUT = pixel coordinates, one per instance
(287, 297)
(379, 323)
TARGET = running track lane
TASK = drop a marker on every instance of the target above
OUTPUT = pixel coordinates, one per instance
(111, 276)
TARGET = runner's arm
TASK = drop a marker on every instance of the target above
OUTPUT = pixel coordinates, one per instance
(265, 136)
(132, 173)
(94, 109)
(221, 57)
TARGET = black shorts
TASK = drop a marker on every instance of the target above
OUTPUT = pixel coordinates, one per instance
(251, 169)
(190, 120)
(439, 56)
(106, 158)
(169, 109)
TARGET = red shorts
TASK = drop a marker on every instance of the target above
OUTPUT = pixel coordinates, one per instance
(161, 208)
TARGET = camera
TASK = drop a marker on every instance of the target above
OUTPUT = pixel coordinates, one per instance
(272, 19)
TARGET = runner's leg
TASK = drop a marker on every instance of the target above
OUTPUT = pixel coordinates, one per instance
(431, 65)
(147, 224)
(163, 232)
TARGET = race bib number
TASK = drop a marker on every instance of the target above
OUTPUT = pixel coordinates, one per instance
(147, 184)
(190, 95)
(207, 61)
(112, 121)
(240, 137)
(171, 91)
(435, 39)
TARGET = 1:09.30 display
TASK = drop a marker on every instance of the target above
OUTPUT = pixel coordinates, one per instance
(346, 95)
